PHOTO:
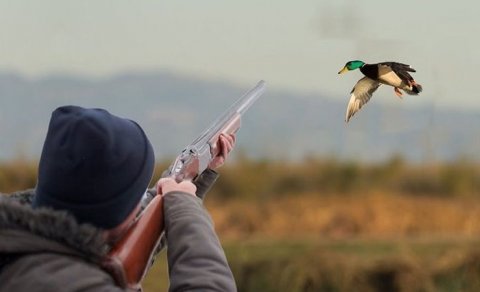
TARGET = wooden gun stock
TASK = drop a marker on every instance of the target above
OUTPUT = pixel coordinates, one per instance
(130, 258)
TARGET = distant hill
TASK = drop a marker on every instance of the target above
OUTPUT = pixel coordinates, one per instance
(281, 125)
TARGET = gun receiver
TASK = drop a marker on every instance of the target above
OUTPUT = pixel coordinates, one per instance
(129, 260)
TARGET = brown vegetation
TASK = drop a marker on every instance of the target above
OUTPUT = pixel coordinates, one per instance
(327, 225)
(18, 174)
(328, 198)
(333, 216)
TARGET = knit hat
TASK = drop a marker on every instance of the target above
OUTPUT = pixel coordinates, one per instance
(95, 165)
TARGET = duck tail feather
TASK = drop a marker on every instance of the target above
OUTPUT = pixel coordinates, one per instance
(416, 89)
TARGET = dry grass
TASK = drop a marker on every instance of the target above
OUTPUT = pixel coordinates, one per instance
(330, 216)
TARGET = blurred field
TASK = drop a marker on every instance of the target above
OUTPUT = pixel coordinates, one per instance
(371, 243)
(422, 264)
(327, 225)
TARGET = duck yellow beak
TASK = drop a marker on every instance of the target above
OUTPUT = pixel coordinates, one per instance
(345, 69)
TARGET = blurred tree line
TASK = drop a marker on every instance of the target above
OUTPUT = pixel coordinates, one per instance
(263, 178)
(247, 178)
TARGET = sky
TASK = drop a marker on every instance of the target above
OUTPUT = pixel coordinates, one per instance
(294, 45)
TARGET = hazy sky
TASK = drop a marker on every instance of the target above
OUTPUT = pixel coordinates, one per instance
(295, 45)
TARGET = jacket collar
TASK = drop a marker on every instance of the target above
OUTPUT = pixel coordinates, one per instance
(25, 230)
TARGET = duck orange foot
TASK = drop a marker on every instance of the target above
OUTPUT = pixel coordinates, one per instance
(398, 92)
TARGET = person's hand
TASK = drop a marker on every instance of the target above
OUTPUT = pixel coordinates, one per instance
(167, 184)
(225, 144)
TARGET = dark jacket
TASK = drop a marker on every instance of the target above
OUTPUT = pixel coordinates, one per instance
(46, 250)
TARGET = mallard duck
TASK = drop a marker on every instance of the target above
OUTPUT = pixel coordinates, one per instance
(389, 73)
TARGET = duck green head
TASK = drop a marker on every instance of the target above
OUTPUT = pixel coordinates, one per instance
(352, 65)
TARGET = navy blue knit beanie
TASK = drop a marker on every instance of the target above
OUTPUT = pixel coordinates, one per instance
(95, 165)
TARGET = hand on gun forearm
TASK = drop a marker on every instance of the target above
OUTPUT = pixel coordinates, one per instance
(225, 144)
(167, 184)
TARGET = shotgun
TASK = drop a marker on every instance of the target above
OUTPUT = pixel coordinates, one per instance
(129, 260)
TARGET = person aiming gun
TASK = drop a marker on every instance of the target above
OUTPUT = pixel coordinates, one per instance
(93, 171)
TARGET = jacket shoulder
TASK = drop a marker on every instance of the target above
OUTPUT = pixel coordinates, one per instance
(55, 272)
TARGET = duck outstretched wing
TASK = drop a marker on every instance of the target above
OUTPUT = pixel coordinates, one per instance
(360, 95)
